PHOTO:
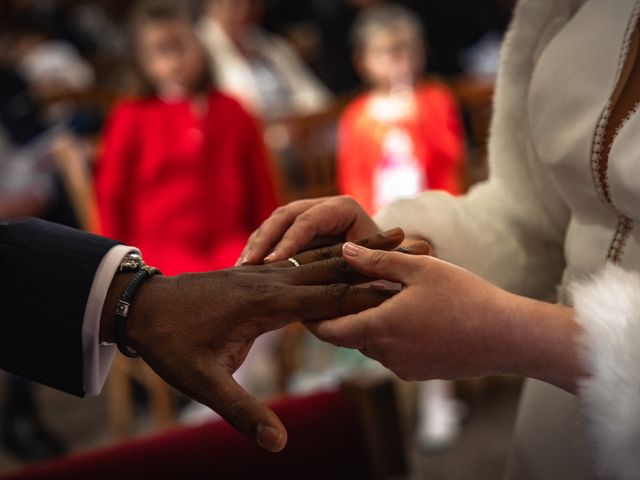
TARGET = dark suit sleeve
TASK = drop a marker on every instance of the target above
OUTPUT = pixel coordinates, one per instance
(46, 272)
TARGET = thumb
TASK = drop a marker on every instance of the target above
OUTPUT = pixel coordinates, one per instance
(245, 413)
(392, 266)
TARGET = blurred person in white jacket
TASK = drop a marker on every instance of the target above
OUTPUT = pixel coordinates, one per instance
(259, 68)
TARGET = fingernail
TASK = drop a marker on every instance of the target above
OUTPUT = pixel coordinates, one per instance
(269, 438)
(240, 261)
(270, 257)
(420, 246)
(351, 249)
(394, 232)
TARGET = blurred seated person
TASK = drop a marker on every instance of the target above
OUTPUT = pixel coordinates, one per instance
(25, 184)
(53, 68)
(255, 66)
(403, 135)
(183, 172)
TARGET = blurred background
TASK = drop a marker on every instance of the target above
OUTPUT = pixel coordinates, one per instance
(178, 127)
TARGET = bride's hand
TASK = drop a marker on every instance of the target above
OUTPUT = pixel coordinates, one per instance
(449, 323)
(305, 224)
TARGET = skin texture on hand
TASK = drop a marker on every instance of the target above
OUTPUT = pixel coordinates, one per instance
(449, 323)
(303, 224)
(195, 330)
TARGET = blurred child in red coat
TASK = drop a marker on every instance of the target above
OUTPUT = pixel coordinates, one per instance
(183, 174)
(404, 135)
(399, 138)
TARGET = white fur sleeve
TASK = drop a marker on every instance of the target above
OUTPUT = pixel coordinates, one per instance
(608, 309)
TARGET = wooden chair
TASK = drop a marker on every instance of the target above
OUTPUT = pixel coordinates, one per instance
(475, 96)
(304, 150)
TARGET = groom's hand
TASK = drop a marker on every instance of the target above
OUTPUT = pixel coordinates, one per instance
(195, 330)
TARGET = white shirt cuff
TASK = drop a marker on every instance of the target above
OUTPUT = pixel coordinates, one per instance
(97, 359)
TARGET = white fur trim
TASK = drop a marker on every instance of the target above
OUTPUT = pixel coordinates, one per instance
(608, 309)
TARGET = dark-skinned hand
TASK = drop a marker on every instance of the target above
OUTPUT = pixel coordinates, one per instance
(195, 330)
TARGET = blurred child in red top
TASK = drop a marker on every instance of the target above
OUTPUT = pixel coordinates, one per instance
(183, 174)
(402, 136)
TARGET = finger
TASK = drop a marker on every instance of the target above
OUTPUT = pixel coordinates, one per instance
(247, 248)
(382, 241)
(326, 218)
(354, 331)
(326, 301)
(392, 266)
(245, 413)
(419, 248)
(346, 332)
(272, 229)
(325, 241)
(337, 270)
(324, 272)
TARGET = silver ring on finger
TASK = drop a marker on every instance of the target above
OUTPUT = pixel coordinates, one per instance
(293, 262)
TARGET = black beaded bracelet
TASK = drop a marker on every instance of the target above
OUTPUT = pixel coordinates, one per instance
(124, 304)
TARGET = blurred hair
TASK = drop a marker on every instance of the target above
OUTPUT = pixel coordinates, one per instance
(146, 12)
(384, 17)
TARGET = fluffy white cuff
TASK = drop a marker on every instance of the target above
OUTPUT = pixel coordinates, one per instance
(608, 308)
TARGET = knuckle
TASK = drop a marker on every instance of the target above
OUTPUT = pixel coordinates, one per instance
(322, 253)
(281, 210)
(304, 218)
(255, 236)
(288, 239)
(337, 291)
(423, 262)
(378, 258)
(347, 199)
(274, 288)
(239, 409)
(328, 335)
(340, 264)
(267, 294)
(301, 274)
(264, 289)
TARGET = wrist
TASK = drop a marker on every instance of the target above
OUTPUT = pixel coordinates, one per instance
(143, 307)
(146, 307)
(541, 343)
